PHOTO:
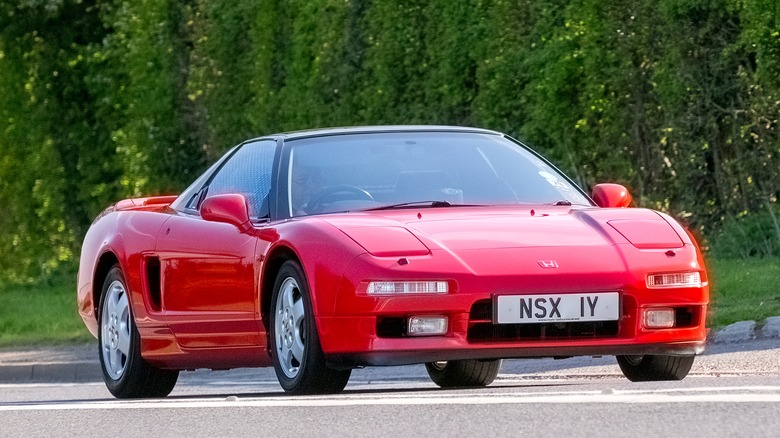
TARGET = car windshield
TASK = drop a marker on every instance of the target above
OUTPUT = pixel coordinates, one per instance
(399, 169)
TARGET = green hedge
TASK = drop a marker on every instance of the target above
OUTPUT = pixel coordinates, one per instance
(100, 100)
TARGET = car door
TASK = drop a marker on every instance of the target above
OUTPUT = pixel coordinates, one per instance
(209, 290)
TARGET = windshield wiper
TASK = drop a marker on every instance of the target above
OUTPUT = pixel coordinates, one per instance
(412, 204)
(561, 202)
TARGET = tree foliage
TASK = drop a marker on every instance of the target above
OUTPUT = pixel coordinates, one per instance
(104, 99)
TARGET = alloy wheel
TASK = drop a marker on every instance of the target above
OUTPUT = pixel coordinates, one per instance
(289, 325)
(115, 326)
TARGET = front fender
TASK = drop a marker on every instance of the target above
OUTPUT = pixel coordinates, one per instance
(324, 253)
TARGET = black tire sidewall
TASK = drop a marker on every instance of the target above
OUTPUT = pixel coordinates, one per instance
(437, 372)
(139, 379)
(464, 373)
(655, 367)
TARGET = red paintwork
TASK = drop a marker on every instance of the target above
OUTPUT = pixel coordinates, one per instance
(647, 234)
(611, 195)
(215, 276)
(229, 209)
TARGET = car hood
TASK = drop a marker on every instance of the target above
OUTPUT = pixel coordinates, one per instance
(494, 241)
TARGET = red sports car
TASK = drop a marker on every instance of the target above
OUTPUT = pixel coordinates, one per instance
(321, 251)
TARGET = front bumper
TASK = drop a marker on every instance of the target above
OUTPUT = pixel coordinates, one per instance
(350, 341)
(407, 357)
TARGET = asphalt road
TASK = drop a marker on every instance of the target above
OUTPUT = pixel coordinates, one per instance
(733, 390)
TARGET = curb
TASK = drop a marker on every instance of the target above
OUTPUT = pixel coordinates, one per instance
(50, 364)
(74, 372)
(747, 331)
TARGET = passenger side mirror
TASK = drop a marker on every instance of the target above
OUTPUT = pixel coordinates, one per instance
(611, 195)
(228, 208)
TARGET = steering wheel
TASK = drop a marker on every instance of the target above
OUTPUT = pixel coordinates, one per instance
(341, 192)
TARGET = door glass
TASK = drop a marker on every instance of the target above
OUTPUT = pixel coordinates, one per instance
(248, 173)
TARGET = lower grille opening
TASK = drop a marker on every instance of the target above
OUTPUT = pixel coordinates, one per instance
(391, 327)
(685, 317)
(488, 332)
(482, 329)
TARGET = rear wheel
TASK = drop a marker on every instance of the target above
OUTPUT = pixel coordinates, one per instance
(126, 373)
(463, 373)
(655, 368)
(295, 344)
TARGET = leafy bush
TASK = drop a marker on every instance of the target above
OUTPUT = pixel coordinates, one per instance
(104, 99)
(747, 236)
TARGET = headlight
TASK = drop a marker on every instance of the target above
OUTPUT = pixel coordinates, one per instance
(677, 279)
(407, 287)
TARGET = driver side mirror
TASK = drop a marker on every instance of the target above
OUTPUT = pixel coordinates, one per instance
(228, 208)
(611, 196)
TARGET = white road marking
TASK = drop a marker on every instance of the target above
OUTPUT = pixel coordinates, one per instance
(48, 385)
(736, 394)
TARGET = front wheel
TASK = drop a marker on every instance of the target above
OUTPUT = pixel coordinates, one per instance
(295, 344)
(655, 368)
(463, 373)
(126, 373)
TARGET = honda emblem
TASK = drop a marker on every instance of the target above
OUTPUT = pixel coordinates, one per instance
(548, 263)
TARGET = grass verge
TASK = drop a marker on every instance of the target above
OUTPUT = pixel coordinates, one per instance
(40, 315)
(46, 315)
(744, 290)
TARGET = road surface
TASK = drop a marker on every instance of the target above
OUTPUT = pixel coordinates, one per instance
(733, 390)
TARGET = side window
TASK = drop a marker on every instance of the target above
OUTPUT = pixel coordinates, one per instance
(248, 172)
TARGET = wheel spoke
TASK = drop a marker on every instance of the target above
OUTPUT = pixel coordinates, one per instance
(111, 303)
(123, 308)
(115, 359)
(123, 344)
(105, 336)
(298, 313)
(123, 328)
(288, 295)
(297, 348)
(287, 358)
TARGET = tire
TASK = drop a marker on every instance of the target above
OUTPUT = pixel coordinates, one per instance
(126, 373)
(294, 341)
(463, 373)
(655, 368)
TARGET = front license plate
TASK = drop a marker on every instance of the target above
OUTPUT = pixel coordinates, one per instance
(522, 309)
